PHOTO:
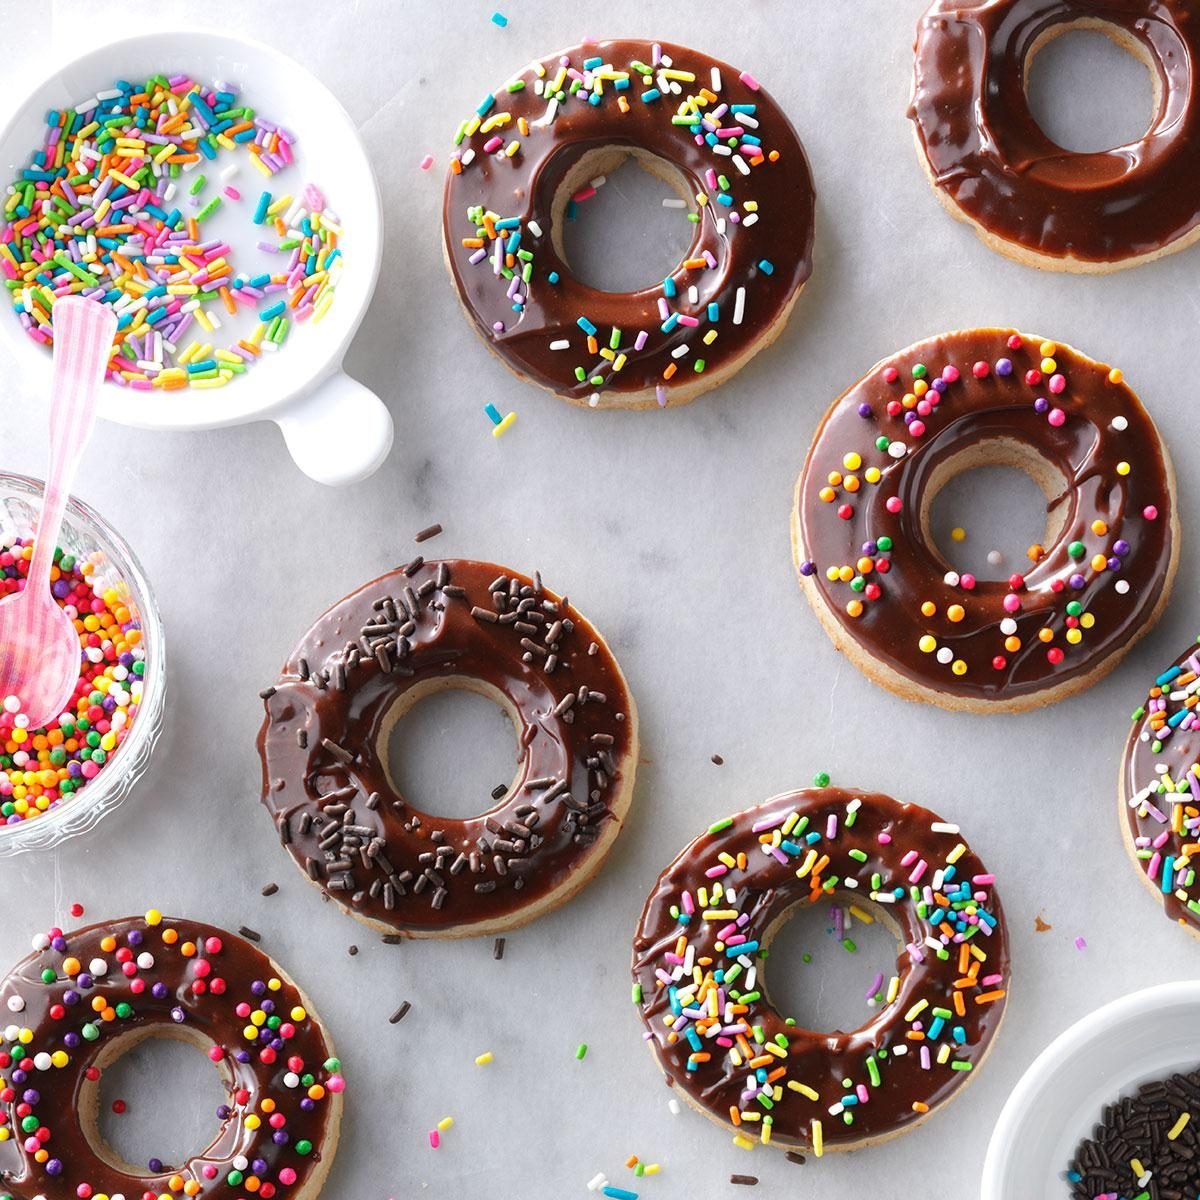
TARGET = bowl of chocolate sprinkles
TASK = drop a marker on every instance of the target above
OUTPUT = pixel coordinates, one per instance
(1110, 1110)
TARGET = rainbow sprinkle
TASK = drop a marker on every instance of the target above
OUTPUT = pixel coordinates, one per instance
(499, 424)
(100, 211)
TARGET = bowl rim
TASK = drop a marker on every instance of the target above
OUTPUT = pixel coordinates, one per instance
(70, 819)
(1051, 1059)
(283, 388)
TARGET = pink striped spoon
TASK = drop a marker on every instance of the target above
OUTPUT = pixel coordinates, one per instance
(39, 647)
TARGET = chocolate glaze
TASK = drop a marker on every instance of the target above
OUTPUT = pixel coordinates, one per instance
(524, 186)
(1085, 451)
(163, 1001)
(1161, 790)
(392, 863)
(990, 157)
(767, 890)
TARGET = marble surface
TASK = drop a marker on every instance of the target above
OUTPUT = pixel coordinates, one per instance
(670, 530)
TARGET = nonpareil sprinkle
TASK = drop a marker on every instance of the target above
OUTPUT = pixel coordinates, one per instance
(43, 768)
(112, 206)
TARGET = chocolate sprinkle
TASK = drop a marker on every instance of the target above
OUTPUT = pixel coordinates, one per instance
(339, 752)
(270, 889)
(251, 935)
(718, 761)
(747, 1180)
(498, 949)
(399, 1014)
(1149, 1126)
(430, 531)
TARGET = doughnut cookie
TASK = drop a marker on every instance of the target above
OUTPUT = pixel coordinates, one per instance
(85, 998)
(1160, 788)
(702, 983)
(983, 397)
(993, 167)
(423, 628)
(534, 148)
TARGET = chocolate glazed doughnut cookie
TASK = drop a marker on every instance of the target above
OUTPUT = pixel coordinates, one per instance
(1160, 788)
(702, 984)
(84, 999)
(370, 658)
(533, 149)
(1028, 198)
(982, 397)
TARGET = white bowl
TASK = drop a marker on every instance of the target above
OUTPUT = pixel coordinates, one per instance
(1145, 1036)
(337, 430)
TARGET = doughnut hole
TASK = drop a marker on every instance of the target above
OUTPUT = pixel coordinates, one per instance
(171, 1091)
(1004, 495)
(447, 746)
(1062, 71)
(825, 983)
(623, 239)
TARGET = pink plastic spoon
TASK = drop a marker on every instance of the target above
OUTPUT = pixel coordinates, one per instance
(39, 647)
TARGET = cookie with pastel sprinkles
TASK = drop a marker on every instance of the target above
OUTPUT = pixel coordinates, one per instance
(1160, 788)
(537, 148)
(701, 979)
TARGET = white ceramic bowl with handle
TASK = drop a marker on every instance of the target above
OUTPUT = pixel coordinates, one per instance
(337, 430)
(1060, 1099)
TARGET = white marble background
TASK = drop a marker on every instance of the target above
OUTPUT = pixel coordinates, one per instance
(670, 529)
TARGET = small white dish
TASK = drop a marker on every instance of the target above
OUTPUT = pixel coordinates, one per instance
(1145, 1036)
(337, 430)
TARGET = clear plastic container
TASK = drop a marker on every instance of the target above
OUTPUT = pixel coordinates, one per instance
(87, 536)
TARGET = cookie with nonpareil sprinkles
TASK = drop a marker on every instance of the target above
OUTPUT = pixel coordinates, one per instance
(540, 145)
(701, 981)
(85, 998)
(1160, 788)
(427, 627)
(882, 589)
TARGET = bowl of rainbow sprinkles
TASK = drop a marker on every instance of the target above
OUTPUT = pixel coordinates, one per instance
(219, 198)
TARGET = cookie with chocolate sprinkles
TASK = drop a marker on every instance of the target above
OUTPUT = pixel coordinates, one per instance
(426, 627)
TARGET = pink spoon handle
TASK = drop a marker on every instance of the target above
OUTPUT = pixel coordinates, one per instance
(83, 337)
